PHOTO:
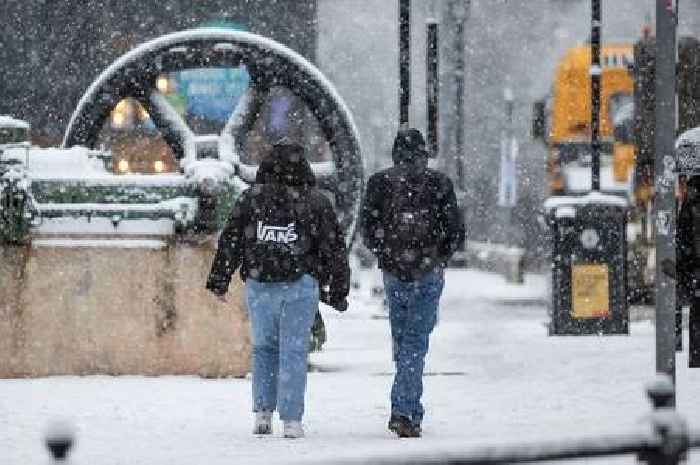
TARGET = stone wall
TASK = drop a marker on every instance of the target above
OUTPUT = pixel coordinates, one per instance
(117, 311)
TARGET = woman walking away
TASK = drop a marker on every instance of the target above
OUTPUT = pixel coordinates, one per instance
(285, 237)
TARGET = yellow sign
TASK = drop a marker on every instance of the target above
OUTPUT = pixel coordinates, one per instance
(590, 295)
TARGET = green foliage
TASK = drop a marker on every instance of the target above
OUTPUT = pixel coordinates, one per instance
(225, 199)
(80, 192)
(15, 222)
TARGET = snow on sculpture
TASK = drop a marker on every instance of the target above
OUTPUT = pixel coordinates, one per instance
(269, 63)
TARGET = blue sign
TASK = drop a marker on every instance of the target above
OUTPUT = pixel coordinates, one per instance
(213, 93)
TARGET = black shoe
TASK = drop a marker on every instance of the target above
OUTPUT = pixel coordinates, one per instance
(403, 427)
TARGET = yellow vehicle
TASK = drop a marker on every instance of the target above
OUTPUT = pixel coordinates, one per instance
(569, 135)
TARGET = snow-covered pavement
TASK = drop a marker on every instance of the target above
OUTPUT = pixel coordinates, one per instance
(493, 377)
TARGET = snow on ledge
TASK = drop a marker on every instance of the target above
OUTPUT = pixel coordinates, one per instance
(80, 165)
(101, 243)
(10, 122)
(81, 226)
(54, 163)
(488, 249)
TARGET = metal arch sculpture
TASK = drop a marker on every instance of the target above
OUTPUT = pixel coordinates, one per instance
(268, 63)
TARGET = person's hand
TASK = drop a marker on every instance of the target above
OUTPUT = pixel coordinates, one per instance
(334, 300)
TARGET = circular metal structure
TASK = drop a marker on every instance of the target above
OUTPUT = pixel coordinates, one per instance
(269, 64)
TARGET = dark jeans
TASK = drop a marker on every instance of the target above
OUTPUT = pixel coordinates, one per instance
(412, 312)
(694, 325)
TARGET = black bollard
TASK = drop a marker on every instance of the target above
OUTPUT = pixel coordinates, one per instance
(670, 431)
(661, 392)
(59, 440)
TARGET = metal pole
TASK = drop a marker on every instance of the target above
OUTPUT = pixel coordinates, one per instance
(596, 19)
(432, 86)
(508, 159)
(510, 102)
(458, 10)
(665, 115)
(404, 61)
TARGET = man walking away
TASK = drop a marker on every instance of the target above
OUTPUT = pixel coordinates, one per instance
(284, 235)
(687, 271)
(411, 222)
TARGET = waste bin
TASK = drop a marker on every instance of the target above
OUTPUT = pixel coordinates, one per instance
(589, 266)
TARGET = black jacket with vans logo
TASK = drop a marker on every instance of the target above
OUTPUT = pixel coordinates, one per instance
(281, 228)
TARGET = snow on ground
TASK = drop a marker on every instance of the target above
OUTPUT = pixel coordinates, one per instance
(493, 376)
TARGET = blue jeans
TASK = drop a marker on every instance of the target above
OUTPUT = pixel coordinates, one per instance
(412, 313)
(281, 315)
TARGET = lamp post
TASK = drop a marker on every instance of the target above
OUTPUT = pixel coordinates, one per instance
(404, 61)
(432, 86)
(455, 16)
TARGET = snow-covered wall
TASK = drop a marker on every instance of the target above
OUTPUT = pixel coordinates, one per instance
(119, 306)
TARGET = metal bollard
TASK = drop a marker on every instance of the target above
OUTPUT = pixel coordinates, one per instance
(668, 428)
(661, 391)
(59, 440)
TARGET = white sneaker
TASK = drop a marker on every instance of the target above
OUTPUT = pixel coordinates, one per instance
(263, 423)
(293, 429)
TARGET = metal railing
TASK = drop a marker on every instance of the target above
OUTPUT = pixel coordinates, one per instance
(667, 442)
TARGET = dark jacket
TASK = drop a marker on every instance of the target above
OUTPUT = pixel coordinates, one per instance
(686, 250)
(433, 192)
(281, 228)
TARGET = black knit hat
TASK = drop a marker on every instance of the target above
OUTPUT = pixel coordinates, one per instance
(409, 144)
(286, 165)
